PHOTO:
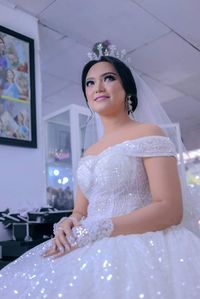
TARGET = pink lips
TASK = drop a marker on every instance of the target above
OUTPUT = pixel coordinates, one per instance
(101, 98)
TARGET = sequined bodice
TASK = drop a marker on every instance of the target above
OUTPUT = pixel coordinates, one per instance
(115, 181)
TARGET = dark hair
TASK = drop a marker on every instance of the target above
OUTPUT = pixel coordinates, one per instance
(124, 72)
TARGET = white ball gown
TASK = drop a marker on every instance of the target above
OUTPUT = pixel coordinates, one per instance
(163, 264)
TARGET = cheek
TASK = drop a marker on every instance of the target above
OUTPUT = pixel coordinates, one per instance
(117, 88)
(122, 92)
(119, 91)
(88, 95)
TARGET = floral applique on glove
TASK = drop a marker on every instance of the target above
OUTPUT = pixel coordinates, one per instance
(90, 231)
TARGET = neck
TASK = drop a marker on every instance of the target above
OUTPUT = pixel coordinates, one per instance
(112, 124)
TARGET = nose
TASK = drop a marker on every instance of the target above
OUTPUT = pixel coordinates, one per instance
(99, 86)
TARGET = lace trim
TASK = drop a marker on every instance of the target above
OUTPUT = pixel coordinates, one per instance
(140, 147)
(91, 231)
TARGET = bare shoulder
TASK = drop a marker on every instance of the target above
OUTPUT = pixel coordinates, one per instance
(133, 131)
(144, 129)
(90, 150)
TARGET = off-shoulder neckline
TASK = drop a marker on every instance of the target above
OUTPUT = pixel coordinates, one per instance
(125, 141)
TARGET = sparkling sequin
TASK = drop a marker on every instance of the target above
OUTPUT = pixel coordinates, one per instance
(163, 264)
(83, 266)
(151, 242)
(109, 277)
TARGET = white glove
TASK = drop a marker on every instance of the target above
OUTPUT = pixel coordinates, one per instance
(90, 231)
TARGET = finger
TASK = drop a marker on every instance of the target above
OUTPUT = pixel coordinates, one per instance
(75, 222)
(63, 241)
(62, 236)
(50, 251)
(59, 230)
(67, 226)
(67, 232)
(57, 255)
(61, 252)
(72, 241)
(49, 247)
(63, 229)
(59, 244)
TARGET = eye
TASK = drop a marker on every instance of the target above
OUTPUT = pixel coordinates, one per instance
(89, 83)
(109, 78)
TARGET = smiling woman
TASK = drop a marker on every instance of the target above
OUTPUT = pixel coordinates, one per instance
(125, 238)
(103, 88)
(113, 78)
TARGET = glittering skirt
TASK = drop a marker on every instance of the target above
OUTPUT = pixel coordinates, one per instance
(163, 265)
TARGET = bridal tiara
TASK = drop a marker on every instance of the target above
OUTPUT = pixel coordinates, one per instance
(103, 49)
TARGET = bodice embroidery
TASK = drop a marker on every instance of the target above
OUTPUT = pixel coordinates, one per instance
(115, 181)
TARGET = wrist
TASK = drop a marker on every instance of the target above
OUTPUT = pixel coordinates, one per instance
(89, 232)
(78, 217)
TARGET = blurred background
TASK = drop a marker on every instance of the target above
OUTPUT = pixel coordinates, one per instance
(162, 38)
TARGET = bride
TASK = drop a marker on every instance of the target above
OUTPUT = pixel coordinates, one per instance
(125, 238)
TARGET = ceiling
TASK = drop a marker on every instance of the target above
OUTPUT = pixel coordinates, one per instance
(161, 37)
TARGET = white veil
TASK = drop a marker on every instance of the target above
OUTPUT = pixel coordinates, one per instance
(149, 110)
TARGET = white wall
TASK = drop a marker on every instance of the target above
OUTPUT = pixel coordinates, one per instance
(22, 178)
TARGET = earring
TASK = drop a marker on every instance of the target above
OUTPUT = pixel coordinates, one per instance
(129, 103)
(91, 115)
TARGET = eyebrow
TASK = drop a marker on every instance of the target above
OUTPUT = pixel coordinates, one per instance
(104, 74)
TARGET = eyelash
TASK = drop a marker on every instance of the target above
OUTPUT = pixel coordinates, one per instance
(110, 77)
(88, 83)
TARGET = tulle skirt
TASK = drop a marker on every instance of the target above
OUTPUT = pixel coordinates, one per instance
(163, 265)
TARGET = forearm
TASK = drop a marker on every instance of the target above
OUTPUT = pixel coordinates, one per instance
(154, 217)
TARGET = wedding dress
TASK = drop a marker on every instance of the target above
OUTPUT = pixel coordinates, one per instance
(163, 264)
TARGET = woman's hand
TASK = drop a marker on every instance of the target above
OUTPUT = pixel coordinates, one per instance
(63, 241)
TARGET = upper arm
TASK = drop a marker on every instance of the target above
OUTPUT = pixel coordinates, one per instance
(163, 177)
(81, 203)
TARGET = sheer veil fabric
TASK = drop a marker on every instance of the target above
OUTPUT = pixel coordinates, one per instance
(149, 110)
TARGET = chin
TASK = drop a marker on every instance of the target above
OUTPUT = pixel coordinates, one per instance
(101, 107)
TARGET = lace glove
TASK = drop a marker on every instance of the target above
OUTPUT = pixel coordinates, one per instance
(90, 231)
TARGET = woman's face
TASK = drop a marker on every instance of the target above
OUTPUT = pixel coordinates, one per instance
(10, 76)
(104, 90)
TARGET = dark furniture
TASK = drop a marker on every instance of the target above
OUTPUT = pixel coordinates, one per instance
(27, 232)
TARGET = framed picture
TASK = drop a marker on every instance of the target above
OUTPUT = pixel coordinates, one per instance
(17, 89)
